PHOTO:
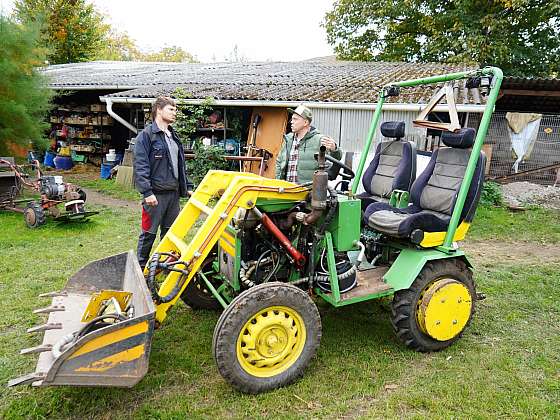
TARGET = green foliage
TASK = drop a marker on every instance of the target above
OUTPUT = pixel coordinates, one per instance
(118, 46)
(168, 54)
(491, 194)
(205, 158)
(24, 97)
(72, 30)
(189, 116)
(520, 36)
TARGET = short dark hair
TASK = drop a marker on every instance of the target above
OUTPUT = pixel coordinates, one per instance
(160, 103)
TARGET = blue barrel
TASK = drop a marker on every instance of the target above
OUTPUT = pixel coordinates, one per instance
(63, 162)
(106, 170)
(49, 159)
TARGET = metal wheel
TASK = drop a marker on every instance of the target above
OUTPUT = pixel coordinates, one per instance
(266, 337)
(438, 306)
(34, 215)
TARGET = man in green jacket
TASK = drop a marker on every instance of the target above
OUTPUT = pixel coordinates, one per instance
(296, 159)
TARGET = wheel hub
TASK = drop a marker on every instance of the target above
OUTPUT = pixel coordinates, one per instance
(271, 341)
(444, 309)
(30, 217)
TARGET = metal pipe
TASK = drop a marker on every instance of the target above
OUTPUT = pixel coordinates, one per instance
(118, 117)
(298, 257)
(475, 153)
(369, 140)
(314, 105)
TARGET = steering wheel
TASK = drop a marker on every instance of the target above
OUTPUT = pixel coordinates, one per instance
(334, 170)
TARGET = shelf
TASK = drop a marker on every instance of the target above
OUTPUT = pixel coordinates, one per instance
(211, 130)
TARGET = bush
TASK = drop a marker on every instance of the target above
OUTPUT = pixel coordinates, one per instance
(205, 159)
(491, 194)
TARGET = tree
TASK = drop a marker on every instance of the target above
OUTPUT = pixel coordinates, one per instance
(173, 54)
(72, 30)
(24, 96)
(118, 46)
(520, 36)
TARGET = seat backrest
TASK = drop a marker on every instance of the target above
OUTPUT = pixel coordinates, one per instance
(437, 187)
(394, 164)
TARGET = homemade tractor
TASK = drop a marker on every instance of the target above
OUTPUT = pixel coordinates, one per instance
(53, 192)
(263, 249)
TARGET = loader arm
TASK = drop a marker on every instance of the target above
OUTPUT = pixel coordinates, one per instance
(193, 243)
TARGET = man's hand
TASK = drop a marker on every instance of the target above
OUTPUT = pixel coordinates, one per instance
(151, 200)
(329, 143)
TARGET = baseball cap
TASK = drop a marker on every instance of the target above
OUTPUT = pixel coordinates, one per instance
(303, 112)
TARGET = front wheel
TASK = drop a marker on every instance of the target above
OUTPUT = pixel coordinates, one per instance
(438, 306)
(266, 337)
(34, 215)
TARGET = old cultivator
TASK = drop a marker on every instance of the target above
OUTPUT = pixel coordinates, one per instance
(264, 249)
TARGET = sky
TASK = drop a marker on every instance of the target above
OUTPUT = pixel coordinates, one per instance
(287, 30)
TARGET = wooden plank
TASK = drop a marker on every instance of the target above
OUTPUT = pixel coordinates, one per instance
(269, 136)
(369, 282)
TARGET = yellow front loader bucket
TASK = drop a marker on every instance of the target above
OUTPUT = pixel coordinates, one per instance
(99, 328)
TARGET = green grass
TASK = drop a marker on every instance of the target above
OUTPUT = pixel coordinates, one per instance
(500, 224)
(507, 365)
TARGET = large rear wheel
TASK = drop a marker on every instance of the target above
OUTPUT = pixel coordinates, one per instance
(266, 337)
(438, 306)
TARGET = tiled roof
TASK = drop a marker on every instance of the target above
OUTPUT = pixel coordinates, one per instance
(309, 81)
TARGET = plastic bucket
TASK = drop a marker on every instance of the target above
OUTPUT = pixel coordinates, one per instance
(49, 159)
(106, 170)
(63, 162)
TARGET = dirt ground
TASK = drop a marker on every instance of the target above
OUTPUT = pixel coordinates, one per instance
(487, 252)
(93, 197)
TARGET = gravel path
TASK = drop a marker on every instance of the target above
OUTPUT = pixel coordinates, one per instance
(525, 193)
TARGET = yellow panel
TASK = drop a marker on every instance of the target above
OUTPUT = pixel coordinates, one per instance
(110, 338)
(227, 247)
(98, 300)
(110, 362)
(432, 239)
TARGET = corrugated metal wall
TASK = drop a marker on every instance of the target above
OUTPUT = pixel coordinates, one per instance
(350, 127)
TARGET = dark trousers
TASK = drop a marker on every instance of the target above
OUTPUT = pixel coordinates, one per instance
(153, 217)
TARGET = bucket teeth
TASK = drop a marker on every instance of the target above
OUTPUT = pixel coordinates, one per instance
(49, 309)
(37, 349)
(45, 327)
(53, 294)
(27, 379)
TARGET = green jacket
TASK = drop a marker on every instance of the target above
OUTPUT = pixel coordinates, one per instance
(309, 145)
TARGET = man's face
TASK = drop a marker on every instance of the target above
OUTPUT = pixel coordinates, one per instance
(298, 123)
(168, 113)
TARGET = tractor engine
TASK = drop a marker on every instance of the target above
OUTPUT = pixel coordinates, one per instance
(53, 187)
(276, 243)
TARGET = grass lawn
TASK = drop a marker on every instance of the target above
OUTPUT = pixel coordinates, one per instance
(507, 365)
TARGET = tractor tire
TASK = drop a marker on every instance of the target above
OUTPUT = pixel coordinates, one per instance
(438, 306)
(197, 295)
(266, 337)
(34, 215)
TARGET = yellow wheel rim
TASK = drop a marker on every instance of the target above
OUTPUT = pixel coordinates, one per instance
(444, 309)
(271, 341)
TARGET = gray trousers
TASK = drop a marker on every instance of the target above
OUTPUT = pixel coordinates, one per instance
(153, 217)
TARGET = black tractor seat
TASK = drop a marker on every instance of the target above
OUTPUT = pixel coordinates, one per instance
(392, 168)
(433, 195)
